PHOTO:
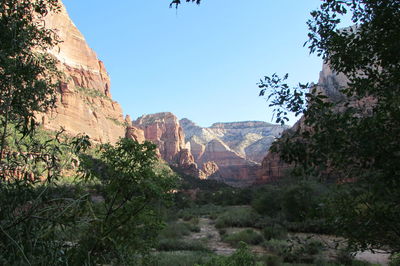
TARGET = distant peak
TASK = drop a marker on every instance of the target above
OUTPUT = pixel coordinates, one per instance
(241, 124)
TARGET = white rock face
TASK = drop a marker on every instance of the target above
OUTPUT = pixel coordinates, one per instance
(249, 140)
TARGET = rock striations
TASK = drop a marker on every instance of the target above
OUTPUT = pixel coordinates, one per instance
(229, 152)
(233, 151)
(163, 129)
(85, 104)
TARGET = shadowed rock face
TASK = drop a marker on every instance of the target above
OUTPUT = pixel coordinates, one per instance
(85, 104)
(330, 83)
(237, 148)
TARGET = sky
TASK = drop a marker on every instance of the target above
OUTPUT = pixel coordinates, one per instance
(198, 62)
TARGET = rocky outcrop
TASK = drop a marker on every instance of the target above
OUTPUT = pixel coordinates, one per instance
(164, 130)
(85, 104)
(210, 170)
(236, 148)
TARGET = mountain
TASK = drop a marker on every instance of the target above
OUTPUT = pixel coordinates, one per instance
(229, 152)
(236, 148)
(164, 130)
(85, 104)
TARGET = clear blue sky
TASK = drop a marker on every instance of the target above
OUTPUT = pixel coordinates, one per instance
(199, 62)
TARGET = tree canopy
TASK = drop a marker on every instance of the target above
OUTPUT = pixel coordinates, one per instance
(354, 139)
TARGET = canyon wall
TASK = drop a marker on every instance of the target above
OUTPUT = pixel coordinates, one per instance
(229, 152)
(164, 130)
(85, 105)
(235, 149)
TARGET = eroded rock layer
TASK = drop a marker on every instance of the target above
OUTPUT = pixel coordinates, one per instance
(85, 105)
(237, 148)
(164, 130)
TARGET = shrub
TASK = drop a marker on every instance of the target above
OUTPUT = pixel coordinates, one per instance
(395, 259)
(268, 201)
(276, 246)
(177, 244)
(274, 231)
(242, 257)
(237, 217)
(247, 236)
(299, 201)
(175, 230)
(271, 260)
(181, 258)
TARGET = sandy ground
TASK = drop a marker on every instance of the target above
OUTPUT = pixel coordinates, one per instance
(214, 242)
(378, 257)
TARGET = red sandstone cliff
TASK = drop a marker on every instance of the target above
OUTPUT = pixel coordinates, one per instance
(85, 104)
(163, 129)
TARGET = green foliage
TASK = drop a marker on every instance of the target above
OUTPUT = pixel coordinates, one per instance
(225, 196)
(267, 201)
(177, 244)
(274, 231)
(276, 246)
(181, 258)
(350, 138)
(242, 257)
(178, 230)
(299, 201)
(133, 193)
(237, 217)
(92, 93)
(202, 210)
(29, 77)
(395, 259)
(272, 260)
(248, 236)
(295, 249)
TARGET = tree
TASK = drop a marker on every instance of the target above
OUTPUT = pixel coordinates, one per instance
(352, 140)
(44, 221)
(134, 188)
(28, 74)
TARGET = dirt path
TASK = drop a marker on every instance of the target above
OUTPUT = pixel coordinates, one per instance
(214, 242)
(209, 232)
(378, 257)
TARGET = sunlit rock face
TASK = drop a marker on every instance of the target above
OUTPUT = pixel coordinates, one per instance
(164, 130)
(85, 105)
(237, 149)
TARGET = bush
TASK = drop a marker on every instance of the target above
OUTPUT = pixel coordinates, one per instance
(267, 201)
(395, 259)
(176, 244)
(295, 250)
(237, 217)
(181, 258)
(274, 231)
(175, 230)
(299, 202)
(276, 246)
(271, 260)
(242, 257)
(203, 210)
(247, 236)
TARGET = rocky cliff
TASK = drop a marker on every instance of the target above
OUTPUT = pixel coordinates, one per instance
(237, 148)
(85, 104)
(164, 130)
